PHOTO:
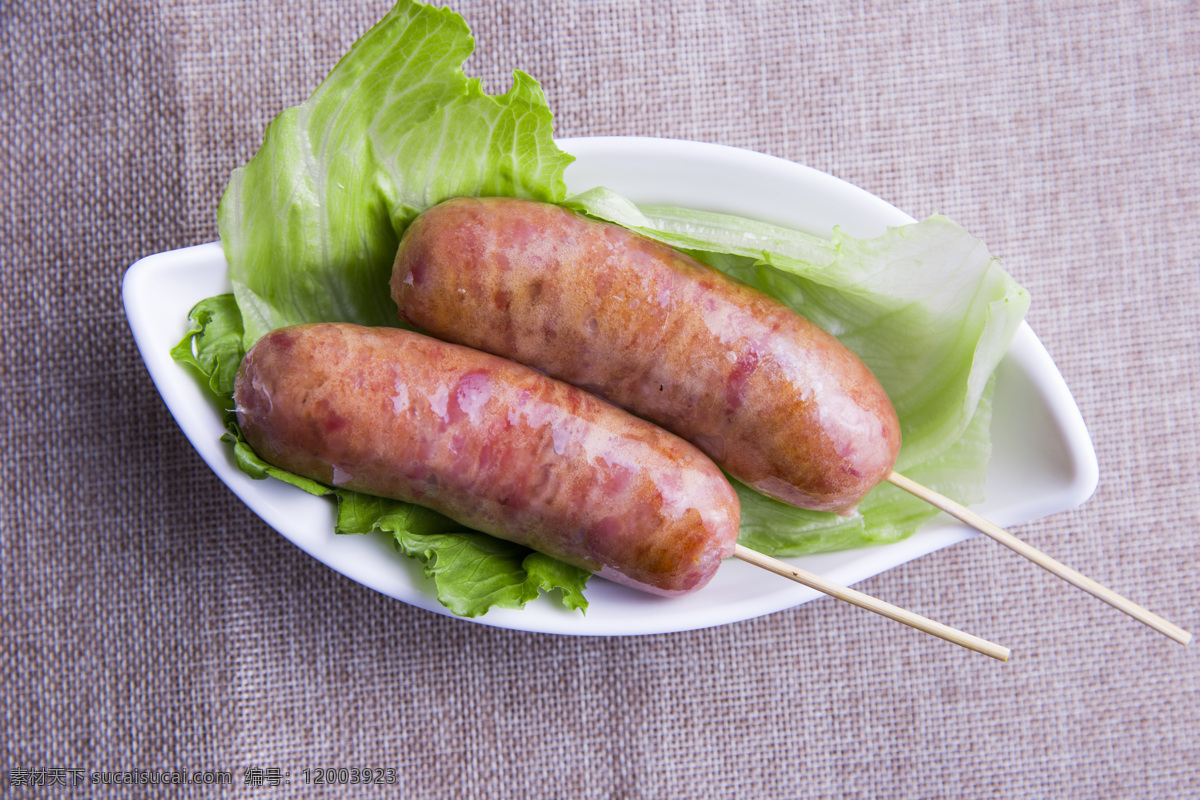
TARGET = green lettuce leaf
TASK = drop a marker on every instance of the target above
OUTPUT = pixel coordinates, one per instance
(311, 224)
(213, 344)
(925, 306)
(471, 572)
(547, 574)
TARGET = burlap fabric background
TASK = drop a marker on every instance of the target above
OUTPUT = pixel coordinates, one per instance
(151, 621)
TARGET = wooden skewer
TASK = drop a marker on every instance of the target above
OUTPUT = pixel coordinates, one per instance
(857, 598)
(1044, 561)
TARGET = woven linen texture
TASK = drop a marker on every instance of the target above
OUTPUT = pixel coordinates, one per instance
(151, 621)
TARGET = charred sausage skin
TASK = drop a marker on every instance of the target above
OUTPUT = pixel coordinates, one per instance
(779, 403)
(492, 444)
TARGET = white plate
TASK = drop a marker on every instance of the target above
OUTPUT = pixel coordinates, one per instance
(1043, 461)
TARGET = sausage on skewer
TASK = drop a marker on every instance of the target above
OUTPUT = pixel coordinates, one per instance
(776, 401)
(492, 444)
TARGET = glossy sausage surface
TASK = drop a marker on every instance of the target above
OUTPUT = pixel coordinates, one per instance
(779, 403)
(492, 444)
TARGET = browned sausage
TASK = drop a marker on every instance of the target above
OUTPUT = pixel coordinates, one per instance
(779, 403)
(492, 444)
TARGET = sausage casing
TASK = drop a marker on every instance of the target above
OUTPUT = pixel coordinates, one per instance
(778, 402)
(492, 444)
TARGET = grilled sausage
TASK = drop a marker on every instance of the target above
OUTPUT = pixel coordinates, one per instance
(492, 444)
(779, 403)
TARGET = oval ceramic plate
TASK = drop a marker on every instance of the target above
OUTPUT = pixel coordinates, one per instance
(1043, 461)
